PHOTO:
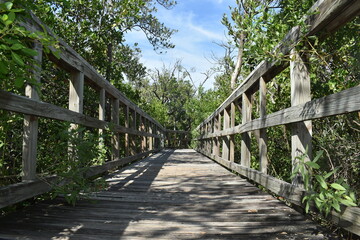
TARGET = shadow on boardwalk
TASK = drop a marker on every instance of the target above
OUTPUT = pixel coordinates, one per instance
(171, 195)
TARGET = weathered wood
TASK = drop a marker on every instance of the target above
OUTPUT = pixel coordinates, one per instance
(301, 132)
(226, 139)
(349, 218)
(20, 104)
(133, 137)
(18, 192)
(76, 92)
(151, 140)
(102, 102)
(262, 135)
(232, 138)
(161, 197)
(30, 132)
(143, 139)
(127, 139)
(246, 136)
(115, 138)
(343, 102)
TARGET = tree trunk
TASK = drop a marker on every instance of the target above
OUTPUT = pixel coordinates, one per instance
(239, 60)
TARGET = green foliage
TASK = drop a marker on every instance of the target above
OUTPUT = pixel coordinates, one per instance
(96, 29)
(168, 95)
(320, 190)
(16, 56)
(84, 151)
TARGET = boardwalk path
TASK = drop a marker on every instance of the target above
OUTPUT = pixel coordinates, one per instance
(171, 195)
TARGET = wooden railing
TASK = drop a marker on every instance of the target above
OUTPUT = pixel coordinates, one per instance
(137, 127)
(177, 139)
(217, 133)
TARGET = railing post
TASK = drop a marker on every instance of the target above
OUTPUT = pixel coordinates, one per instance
(115, 136)
(263, 136)
(143, 138)
(31, 124)
(301, 133)
(133, 137)
(102, 102)
(76, 93)
(246, 137)
(151, 146)
(226, 139)
(76, 101)
(232, 137)
(126, 109)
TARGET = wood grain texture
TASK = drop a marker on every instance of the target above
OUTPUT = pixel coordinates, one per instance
(170, 195)
(262, 132)
(348, 218)
(343, 102)
(31, 123)
(18, 192)
(301, 132)
(20, 104)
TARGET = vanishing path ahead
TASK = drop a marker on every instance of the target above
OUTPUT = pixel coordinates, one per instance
(170, 195)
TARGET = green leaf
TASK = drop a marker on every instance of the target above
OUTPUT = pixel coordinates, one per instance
(318, 155)
(4, 17)
(11, 18)
(19, 82)
(29, 52)
(336, 206)
(337, 186)
(352, 196)
(8, 5)
(3, 68)
(17, 59)
(330, 173)
(348, 203)
(321, 181)
(17, 46)
(312, 165)
(307, 206)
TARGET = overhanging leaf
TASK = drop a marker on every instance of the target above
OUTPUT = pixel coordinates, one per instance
(312, 165)
(17, 59)
(337, 186)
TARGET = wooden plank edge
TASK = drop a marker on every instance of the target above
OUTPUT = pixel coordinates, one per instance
(21, 191)
(348, 218)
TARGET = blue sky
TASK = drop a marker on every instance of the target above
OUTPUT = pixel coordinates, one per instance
(199, 25)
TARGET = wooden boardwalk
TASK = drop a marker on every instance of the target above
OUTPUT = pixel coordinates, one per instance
(171, 195)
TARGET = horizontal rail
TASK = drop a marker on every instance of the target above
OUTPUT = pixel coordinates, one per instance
(343, 102)
(24, 105)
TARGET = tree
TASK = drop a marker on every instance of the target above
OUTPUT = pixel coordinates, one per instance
(95, 29)
(171, 87)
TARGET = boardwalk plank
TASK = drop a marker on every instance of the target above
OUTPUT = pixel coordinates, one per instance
(171, 195)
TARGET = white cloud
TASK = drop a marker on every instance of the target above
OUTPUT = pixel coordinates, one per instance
(194, 41)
